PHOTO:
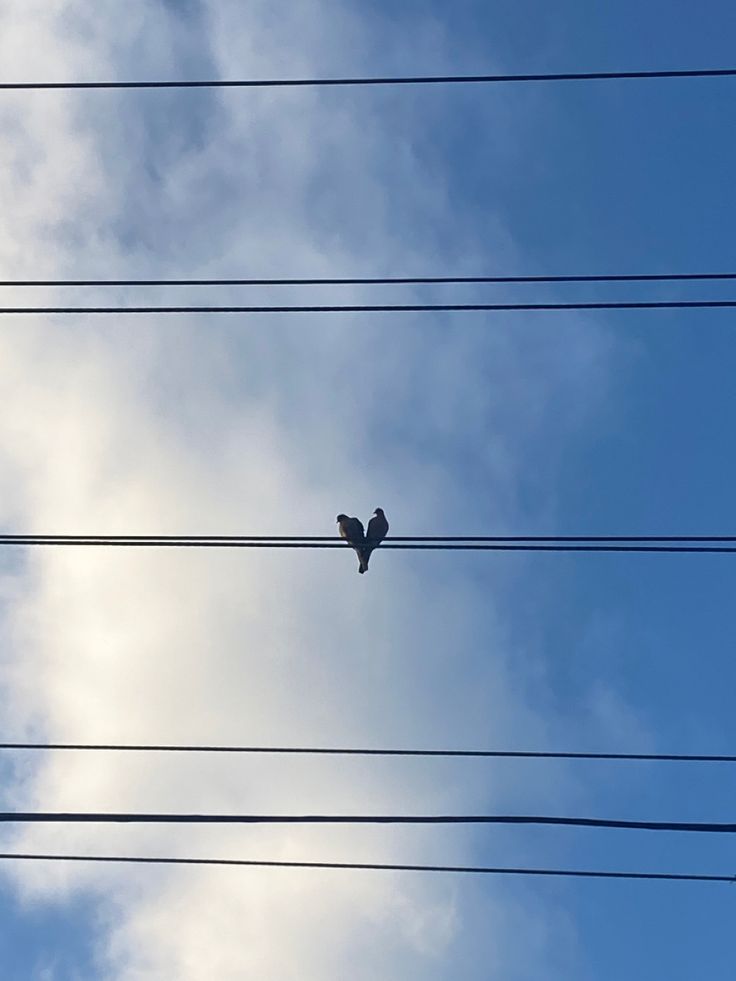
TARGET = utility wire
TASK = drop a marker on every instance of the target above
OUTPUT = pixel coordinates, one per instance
(377, 80)
(339, 751)
(381, 280)
(429, 547)
(206, 540)
(92, 817)
(365, 866)
(385, 308)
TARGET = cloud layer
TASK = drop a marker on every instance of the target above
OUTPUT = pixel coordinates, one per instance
(264, 425)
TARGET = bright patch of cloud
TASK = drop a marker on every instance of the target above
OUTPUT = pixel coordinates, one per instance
(262, 425)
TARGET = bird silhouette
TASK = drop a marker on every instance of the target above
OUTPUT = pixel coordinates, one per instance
(351, 529)
(377, 531)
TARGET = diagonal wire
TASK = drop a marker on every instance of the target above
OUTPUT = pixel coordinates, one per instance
(687, 73)
(368, 866)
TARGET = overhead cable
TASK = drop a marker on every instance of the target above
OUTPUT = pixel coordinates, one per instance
(125, 817)
(378, 80)
(209, 540)
(378, 308)
(368, 866)
(341, 751)
(428, 546)
(382, 280)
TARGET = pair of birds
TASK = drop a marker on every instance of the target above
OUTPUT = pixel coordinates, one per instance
(351, 529)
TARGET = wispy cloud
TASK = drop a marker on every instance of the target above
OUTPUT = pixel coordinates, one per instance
(259, 426)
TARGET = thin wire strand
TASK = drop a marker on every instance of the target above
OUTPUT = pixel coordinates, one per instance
(380, 308)
(225, 539)
(92, 817)
(382, 280)
(429, 547)
(379, 80)
(341, 751)
(366, 866)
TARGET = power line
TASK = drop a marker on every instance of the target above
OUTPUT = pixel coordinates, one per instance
(366, 866)
(340, 751)
(123, 542)
(382, 280)
(207, 540)
(124, 817)
(384, 308)
(377, 80)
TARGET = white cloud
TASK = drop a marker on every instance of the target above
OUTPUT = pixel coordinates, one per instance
(137, 425)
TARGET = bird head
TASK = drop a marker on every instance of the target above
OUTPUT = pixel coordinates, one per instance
(341, 517)
(379, 512)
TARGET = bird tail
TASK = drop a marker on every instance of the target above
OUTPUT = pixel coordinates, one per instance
(363, 555)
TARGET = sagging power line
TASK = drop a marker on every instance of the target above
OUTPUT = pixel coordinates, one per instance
(368, 867)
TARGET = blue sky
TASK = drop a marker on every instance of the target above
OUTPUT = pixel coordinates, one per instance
(613, 424)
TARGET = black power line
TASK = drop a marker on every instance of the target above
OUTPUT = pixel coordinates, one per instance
(93, 817)
(384, 308)
(378, 80)
(209, 540)
(118, 542)
(382, 280)
(366, 866)
(339, 751)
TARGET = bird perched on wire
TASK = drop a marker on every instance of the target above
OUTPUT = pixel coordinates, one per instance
(377, 531)
(351, 529)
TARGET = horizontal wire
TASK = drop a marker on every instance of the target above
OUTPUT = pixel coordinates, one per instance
(381, 280)
(339, 751)
(93, 817)
(238, 539)
(383, 308)
(377, 80)
(368, 866)
(430, 547)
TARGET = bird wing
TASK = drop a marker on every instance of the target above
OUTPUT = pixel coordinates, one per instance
(377, 529)
(357, 534)
(352, 530)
